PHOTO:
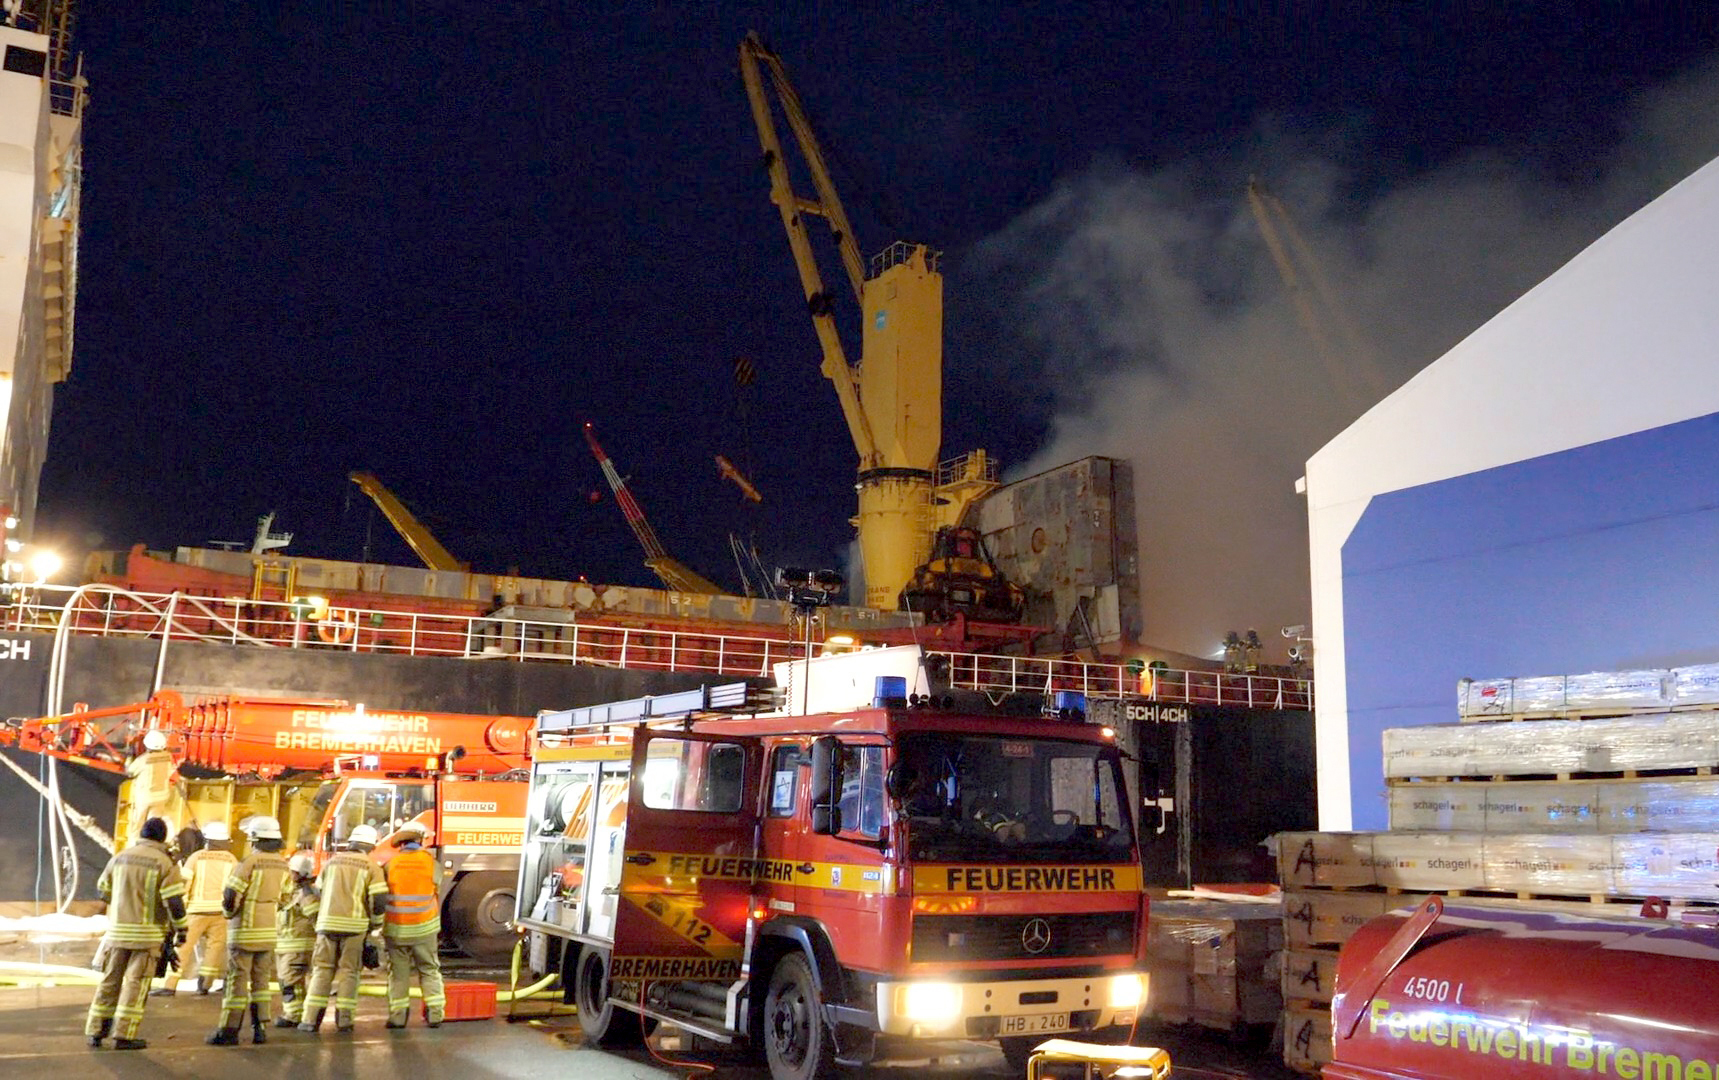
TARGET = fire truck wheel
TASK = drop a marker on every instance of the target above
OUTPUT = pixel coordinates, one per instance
(797, 1043)
(479, 910)
(603, 1024)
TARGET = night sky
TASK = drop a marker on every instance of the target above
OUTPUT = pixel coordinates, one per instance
(431, 241)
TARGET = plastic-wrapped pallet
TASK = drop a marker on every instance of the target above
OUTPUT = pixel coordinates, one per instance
(1321, 917)
(1421, 860)
(1306, 1037)
(1695, 685)
(1612, 744)
(1213, 962)
(1673, 804)
(1673, 865)
(1600, 690)
(1309, 975)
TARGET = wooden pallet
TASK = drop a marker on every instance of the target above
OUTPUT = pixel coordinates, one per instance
(1670, 773)
(1593, 712)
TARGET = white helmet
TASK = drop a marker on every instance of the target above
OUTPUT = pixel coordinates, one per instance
(262, 827)
(154, 739)
(302, 865)
(416, 827)
(216, 830)
(362, 834)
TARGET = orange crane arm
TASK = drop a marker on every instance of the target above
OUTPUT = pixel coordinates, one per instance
(755, 56)
(268, 737)
(674, 573)
(427, 547)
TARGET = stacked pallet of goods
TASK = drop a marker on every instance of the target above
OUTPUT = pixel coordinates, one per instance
(1581, 790)
(1213, 963)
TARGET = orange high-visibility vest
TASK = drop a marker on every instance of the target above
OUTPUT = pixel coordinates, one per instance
(414, 906)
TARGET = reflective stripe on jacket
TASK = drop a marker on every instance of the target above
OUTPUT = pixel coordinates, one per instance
(295, 926)
(347, 883)
(414, 903)
(206, 874)
(262, 882)
(137, 884)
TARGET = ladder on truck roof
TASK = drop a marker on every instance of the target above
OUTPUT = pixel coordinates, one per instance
(726, 698)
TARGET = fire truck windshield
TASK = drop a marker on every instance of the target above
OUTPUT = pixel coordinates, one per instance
(312, 821)
(988, 798)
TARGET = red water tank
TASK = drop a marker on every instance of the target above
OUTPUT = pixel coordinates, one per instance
(1494, 992)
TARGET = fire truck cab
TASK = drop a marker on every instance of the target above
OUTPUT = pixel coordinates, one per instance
(824, 888)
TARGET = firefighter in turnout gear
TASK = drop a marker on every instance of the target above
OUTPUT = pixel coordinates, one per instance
(353, 896)
(295, 937)
(206, 873)
(412, 924)
(156, 790)
(145, 895)
(254, 894)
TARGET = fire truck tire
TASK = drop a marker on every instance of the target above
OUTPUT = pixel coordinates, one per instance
(798, 1045)
(1017, 1049)
(479, 910)
(604, 1025)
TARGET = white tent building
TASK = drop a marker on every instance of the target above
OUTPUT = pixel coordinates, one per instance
(1543, 499)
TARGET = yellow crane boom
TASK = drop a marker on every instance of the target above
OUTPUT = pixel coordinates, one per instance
(427, 547)
(756, 58)
(892, 400)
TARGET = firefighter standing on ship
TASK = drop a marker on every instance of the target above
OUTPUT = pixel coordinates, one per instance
(353, 897)
(155, 784)
(253, 895)
(295, 937)
(145, 895)
(412, 925)
(206, 873)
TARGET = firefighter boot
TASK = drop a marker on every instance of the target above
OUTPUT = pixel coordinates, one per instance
(101, 1033)
(131, 1044)
(225, 1036)
(203, 986)
(283, 1020)
(396, 1021)
(312, 1021)
(343, 1021)
(259, 1026)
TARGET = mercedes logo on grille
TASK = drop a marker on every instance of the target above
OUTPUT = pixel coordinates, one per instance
(1035, 936)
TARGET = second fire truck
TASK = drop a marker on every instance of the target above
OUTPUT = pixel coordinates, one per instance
(829, 888)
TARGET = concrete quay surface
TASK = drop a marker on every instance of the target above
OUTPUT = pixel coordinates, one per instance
(41, 1035)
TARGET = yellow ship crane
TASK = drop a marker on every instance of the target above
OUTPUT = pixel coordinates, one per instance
(891, 400)
(427, 547)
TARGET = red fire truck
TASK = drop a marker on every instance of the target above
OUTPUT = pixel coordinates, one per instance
(1461, 991)
(826, 888)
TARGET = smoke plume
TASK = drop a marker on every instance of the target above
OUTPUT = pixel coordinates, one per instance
(1153, 309)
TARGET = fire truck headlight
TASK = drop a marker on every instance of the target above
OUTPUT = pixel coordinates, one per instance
(931, 1005)
(1127, 991)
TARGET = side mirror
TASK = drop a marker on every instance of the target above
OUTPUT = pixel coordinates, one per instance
(826, 785)
(826, 819)
(900, 780)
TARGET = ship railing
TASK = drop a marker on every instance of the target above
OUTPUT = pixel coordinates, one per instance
(998, 676)
(108, 611)
(67, 97)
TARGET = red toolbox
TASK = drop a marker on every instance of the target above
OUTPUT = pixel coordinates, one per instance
(469, 1001)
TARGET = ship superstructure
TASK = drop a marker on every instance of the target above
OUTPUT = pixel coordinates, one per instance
(42, 98)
